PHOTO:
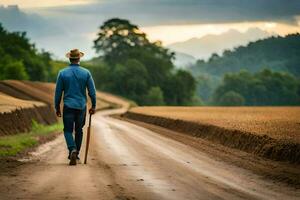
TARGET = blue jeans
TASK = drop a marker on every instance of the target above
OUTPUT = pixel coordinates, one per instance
(73, 119)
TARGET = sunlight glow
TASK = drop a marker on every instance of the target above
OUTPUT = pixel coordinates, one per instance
(176, 33)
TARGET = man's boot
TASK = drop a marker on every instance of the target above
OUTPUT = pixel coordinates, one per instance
(73, 157)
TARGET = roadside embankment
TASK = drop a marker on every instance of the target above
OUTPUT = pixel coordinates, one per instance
(24, 101)
(274, 134)
(28, 117)
(16, 115)
(20, 144)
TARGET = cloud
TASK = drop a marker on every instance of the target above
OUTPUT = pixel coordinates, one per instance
(161, 12)
(43, 3)
(62, 27)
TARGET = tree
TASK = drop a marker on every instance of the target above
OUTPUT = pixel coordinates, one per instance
(277, 53)
(262, 88)
(130, 80)
(22, 55)
(205, 86)
(11, 69)
(232, 98)
(147, 64)
(180, 88)
(154, 97)
(15, 70)
(117, 37)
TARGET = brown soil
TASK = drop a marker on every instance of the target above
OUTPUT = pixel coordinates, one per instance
(274, 170)
(6, 89)
(113, 99)
(9, 103)
(261, 145)
(20, 120)
(16, 115)
(30, 91)
(130, 162)
(276, 122)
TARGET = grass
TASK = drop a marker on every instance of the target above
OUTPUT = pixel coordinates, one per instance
(14, 144)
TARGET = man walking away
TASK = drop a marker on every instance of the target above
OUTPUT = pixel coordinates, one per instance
(73, 81)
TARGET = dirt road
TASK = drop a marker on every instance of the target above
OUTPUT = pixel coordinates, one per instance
(130, 162)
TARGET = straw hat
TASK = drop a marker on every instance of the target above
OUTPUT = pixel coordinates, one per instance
(74, 53)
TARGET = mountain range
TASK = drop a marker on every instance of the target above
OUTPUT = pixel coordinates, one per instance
(204, 47)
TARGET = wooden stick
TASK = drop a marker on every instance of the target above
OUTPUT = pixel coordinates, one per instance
(88, 139)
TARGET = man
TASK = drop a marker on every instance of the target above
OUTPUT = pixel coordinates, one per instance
(73, 82)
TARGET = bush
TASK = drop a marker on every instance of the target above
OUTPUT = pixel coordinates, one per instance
(232, 98)
(15, 70)
(154, 97)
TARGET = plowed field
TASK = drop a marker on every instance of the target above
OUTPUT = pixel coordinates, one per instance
(270, 132)
(276, 122)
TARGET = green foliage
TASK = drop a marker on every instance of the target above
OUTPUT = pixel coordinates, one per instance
(180, 88)
(130, 80)
(102, 73)
(55, 66)
(275, 53)
(262, 88)
(279, 54)
(232, 98)
(130, 65)
(20, 59)
(15, 70)
(154, 97)
(205, 86)
(12, 69)
(116, 38)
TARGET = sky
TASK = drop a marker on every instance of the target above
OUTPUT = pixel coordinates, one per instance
(75, 22)
(43, 3)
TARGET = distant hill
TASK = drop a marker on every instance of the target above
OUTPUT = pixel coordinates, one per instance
(203, 47)
(276, 53)
(14, 19)
(183, 60)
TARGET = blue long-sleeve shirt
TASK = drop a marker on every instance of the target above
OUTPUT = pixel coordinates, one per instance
(73, 82)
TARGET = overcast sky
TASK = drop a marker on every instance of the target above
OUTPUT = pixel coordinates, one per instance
(166, 20)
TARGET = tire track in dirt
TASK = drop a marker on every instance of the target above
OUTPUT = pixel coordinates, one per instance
(149, 159)
(260, 145)
(128, 162)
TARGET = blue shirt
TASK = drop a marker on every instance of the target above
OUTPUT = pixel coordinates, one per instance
(73, 81)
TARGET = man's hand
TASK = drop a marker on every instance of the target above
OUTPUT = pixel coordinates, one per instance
(92, 111)
(58, 113)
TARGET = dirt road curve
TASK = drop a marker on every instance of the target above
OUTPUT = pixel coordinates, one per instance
(129, 162)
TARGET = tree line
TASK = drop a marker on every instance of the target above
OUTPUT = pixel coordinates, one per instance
(20, 59)
(265, 72)
(128, 65)
(268, 71)
(262, 88)
(276, 53)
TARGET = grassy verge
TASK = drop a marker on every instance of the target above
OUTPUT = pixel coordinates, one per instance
(14, 144)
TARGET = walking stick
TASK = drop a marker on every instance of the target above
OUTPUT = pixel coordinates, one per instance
(88, 139)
